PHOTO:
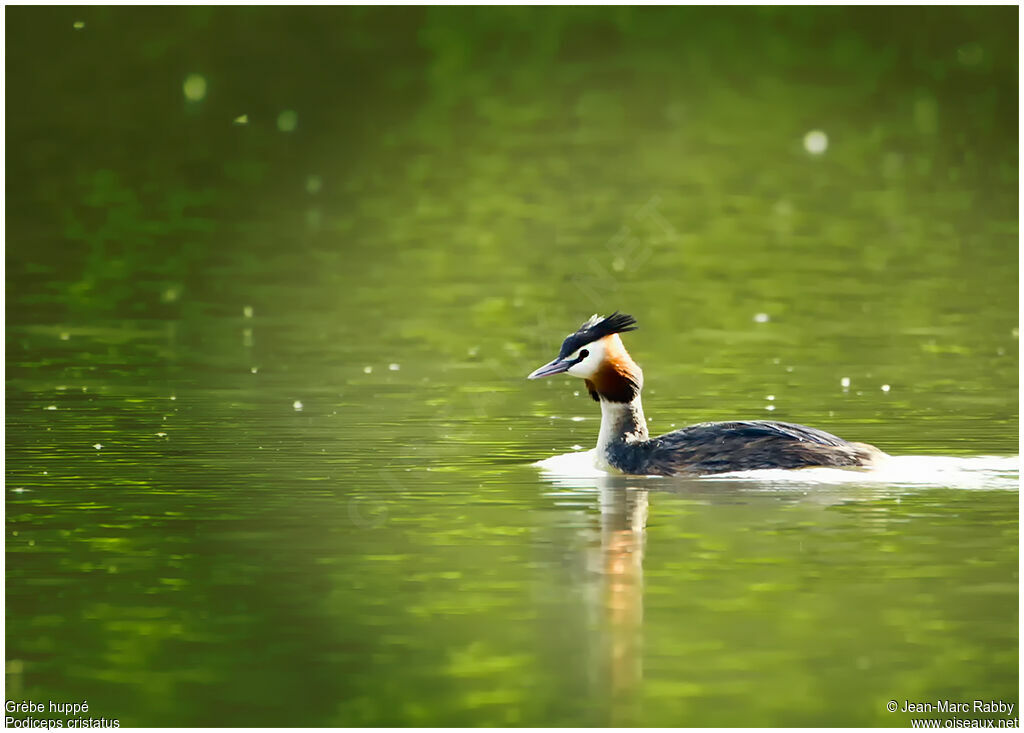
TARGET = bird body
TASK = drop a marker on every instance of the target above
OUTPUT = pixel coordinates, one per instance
(596, 354)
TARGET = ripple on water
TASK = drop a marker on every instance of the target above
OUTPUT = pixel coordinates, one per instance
(976, 472)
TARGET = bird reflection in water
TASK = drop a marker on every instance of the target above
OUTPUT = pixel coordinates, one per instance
(623, 531)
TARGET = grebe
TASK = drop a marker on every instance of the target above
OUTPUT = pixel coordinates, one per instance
(596, 354)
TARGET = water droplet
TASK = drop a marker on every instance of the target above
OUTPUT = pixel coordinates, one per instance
(815, 142)
(885, 387)
(64, 336)
(50, 407)
(577, 419)
(161, 435)
(241, 120)
(367, 369)
(770, 408)
(97, 446)
(394, 367)
(770, 397)
(761, 318)
(844, 382)
(297, 405)
(78, 25)
(253, 370)
(247, 311)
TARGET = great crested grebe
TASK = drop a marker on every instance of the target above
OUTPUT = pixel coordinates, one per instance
(596, 354)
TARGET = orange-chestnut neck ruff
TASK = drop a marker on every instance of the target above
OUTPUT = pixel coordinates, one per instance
(619, 378)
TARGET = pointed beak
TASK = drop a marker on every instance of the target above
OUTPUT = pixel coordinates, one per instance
(555, 367)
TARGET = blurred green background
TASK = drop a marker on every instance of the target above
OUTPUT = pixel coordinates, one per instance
(275, 276)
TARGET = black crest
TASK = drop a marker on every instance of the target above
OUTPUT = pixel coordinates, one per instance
(597, 327)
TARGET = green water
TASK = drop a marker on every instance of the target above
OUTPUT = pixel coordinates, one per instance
(269, 441)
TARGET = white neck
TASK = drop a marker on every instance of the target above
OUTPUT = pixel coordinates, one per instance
(621, 422)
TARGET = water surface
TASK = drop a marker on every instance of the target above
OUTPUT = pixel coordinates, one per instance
(270, 446)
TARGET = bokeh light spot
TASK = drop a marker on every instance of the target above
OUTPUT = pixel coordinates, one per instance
(970, 54)
(288, 120)
(815, 142)
(926, 115)
(194, 87)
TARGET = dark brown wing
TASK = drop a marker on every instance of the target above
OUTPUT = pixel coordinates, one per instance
(747, 445)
